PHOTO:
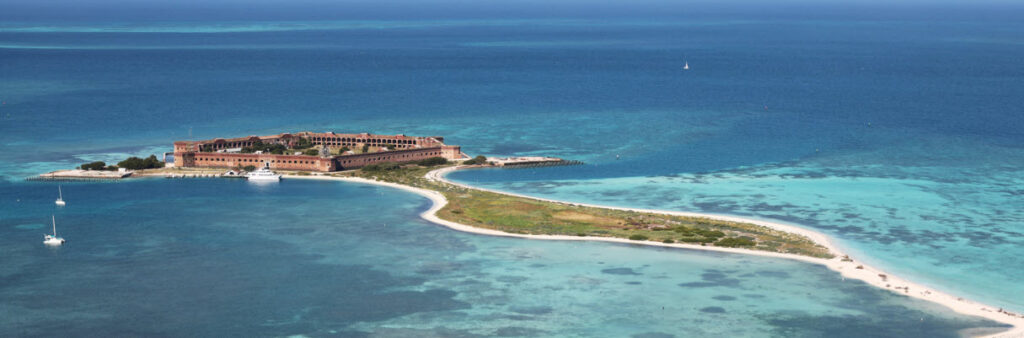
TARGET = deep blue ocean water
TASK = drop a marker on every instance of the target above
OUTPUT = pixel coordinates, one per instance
(898, 135)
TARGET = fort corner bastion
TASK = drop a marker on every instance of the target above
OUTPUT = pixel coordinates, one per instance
(334, 151)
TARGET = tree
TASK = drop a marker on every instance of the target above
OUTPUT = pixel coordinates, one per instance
(479, 159)
(303, 143)
(98, 165)
(249, 168)
(366, 147)
(135, 163)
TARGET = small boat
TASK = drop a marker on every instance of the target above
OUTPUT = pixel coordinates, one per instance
(263, 174)
(686, 65)
(53, 239)
(60, 197)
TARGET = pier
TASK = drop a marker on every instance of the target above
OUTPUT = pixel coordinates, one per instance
(530, 162)
(81, 175)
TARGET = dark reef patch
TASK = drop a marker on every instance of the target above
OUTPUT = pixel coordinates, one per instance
(532, 310)
(652, 335)
(519, 331)
(773, 274)
(620, 271)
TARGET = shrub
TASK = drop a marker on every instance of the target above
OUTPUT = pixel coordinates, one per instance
(249, 168)
(668, 240)
(383, 166)
(135, 163)
(98, 165)
(432, 161)
(366, 147)
(581, 234)
(715, 234)
(693, 239)
(311, 152)
(733, 242)
(638, 237)
(265, 147)
(479, 159)
(303, 143)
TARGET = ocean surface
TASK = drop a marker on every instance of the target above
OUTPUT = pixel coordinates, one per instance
(899, 136)
(220, 257)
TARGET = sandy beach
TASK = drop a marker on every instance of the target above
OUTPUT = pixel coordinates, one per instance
(847, 268)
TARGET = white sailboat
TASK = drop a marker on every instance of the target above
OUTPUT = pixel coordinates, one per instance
(686, 65)
(53, 239)
(60, 197)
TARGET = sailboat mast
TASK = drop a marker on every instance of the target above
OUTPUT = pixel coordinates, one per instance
(54, 225)
(59, 192)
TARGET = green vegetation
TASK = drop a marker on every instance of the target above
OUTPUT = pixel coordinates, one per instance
(311, 152)
(366, 147)
(343, 150)
(249, 168)
(383, 166)
(269, 148)
(388, 166)
(135, 163)
(479, 159)
(303, 143)
(735, 242)
(98, 165)
(529, 216)
(430, 162)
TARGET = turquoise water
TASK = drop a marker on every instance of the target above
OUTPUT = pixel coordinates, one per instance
(209, 257)
(951, 221)
(898, 135)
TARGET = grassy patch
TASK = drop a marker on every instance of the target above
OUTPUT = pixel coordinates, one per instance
(528, 216)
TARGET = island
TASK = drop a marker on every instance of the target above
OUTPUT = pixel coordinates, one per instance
(419, 165)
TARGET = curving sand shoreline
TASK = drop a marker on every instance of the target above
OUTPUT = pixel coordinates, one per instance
(848, 269)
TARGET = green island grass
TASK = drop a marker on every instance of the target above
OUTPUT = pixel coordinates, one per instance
(529, 216)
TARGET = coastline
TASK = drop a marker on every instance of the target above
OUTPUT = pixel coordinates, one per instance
(847, 269)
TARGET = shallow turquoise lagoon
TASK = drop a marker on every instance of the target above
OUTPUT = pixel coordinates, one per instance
(214, 257)
(954, 224)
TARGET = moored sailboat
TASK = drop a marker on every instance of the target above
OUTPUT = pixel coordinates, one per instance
(53, 239)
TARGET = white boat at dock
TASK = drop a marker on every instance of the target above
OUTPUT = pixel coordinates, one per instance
(263, 174)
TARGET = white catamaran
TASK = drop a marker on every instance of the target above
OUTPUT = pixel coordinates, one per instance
(60, 197)
(53, 239)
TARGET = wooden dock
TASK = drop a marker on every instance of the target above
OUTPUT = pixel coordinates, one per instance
(81, 175)
(530, 162)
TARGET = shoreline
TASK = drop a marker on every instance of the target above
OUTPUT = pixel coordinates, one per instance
(847, 269)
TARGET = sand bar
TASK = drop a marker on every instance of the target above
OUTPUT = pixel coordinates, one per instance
(848, 269)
